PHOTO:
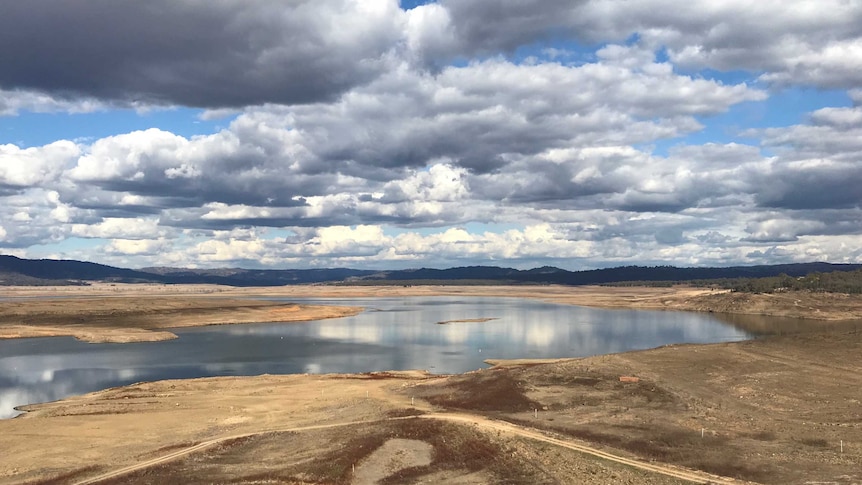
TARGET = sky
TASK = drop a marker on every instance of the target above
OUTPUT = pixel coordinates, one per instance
(376, 134)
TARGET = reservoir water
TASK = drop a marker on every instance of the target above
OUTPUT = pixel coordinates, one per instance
(392, 334)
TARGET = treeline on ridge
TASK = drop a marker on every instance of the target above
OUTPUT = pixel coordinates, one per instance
(832, 282)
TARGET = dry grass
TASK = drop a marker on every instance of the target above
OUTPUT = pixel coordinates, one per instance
(65, 478)
(710, 453)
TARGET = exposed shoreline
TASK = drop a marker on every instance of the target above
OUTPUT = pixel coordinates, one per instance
(121, 313)
(146, 318)
(817, 306)
(754, 410)
(759, 405)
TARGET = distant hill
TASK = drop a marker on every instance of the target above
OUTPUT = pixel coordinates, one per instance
(548, 274)
(17, 271)
(68, 270)
(254, 277)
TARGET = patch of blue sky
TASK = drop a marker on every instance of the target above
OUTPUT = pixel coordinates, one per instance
(561, 50)
(394, 231)
(470, 227)
(788, 107)
(410, 4)
(793, 106)
(493, 227)
(274, 234)
(728, 78)
(29, 129)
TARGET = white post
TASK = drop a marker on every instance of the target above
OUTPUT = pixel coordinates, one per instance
(366, 393)
(701, 432)
(411, 401)
(842, 446)
(536, 411)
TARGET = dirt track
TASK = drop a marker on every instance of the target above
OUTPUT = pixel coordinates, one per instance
(485, 424)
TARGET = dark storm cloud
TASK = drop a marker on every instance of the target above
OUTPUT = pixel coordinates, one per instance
(813, 189)
(818, 166)
(814, 43)
(193, 52)
(491, 26)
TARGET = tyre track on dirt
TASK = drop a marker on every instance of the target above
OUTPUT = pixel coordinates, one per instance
(464, 419)
(506, 427)
(216, 441)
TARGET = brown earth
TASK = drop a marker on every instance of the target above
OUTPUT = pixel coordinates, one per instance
(777, 410)
(144, 318)
(807, 305)
(773, 410)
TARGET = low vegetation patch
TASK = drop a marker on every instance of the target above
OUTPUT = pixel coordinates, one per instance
(492, 390)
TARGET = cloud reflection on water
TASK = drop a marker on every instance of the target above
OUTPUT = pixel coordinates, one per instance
(403, 334)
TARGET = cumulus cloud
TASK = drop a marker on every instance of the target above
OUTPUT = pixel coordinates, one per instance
(457, 131)
(239, 53)
(196, 52)
(137, 247)
(796, 42)
(818, 164)
(407, 147)
(35, 166)
(126, 228)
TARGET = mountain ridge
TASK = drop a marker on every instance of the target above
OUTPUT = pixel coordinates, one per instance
(29, 272)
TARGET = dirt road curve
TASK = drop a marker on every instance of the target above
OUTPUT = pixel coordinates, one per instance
(502, 426)
(213, 442)
(468, 419)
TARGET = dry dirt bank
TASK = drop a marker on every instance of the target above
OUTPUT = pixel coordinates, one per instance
(144, 317)
(278, 429)
(819, 306)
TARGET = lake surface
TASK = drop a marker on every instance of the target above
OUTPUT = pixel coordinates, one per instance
(392, 334)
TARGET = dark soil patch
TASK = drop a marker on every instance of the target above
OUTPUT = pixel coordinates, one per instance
(492, 390)
(329, 457)
(65, 477)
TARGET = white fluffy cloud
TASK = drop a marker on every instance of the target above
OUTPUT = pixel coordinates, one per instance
(35, 166)
(461, 131)
(126, 228)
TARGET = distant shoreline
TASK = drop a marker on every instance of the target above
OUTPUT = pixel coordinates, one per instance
(121, 313)
(145, 317)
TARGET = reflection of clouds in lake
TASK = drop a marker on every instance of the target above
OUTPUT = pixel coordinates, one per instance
(9, 398)
(402, 335)
(456, 333)
(52, 385)
(539, 335)
(366, 333)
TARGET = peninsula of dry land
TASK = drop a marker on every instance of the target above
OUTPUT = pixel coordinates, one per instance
(776, 410)
(121, 318)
